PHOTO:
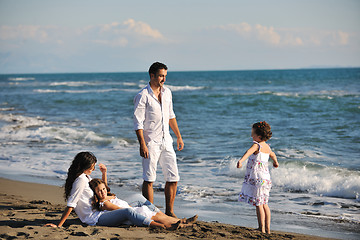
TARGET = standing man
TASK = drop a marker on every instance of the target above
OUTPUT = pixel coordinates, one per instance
(153, 114)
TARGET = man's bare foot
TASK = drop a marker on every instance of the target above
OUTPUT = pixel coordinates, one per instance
(171, 214)
(191, 220)
(260, 230)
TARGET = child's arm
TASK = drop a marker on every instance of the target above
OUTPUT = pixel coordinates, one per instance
(65, 215)
(109, 206)
(274, 158)
(103, 170)
(248, 153)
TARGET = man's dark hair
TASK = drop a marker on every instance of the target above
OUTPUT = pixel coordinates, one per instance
(155, 67)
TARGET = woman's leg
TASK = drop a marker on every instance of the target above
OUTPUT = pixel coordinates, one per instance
(165, 219)
(260, 213)
(267, 218)
(118, 217)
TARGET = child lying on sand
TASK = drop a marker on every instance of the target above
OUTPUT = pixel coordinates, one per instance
(104, 200)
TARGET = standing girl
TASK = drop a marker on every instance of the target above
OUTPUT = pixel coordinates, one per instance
(257, 184)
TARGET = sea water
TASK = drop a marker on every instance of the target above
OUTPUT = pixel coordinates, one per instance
(45, 119)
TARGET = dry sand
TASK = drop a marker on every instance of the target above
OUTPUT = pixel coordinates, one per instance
(26, 207)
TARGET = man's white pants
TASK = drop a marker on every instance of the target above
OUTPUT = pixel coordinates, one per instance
(165, 155)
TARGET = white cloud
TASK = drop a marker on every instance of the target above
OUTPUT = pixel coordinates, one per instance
(287, 37)
(291, 40)
(242, 28)
(36, 33)
(122, 42)
(142, 28)
(267, 34)
(115, 34)
(342, 37)
(121, 34)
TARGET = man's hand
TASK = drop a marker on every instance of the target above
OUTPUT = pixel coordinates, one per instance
(180, 144)
(102, 168)
(144, 152)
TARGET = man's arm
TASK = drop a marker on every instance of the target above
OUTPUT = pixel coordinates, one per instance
(139, 118)
(174, 126)
(144, 152)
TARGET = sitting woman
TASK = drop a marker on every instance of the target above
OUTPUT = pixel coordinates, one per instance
(104, 200)
(79, 197)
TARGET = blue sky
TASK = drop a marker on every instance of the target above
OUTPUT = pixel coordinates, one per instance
(123, 36)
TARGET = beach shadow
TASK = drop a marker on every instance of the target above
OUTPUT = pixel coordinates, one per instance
(38, 222)
(17, 207)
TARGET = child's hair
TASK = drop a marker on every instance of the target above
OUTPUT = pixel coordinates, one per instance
(263, 130)
(81, 162)
(93, 184)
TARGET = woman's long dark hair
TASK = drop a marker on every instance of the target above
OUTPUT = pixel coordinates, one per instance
(93, 184)
(81, 162)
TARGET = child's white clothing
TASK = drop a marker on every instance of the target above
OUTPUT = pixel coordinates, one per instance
(257, 183)
(143, 210)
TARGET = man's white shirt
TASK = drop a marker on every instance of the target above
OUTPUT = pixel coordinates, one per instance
(152, 116)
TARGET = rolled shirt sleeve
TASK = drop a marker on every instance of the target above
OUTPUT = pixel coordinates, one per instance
(171, 109)
(139, 111)
(76, 192)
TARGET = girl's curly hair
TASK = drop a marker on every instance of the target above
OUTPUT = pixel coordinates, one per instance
(263, 130)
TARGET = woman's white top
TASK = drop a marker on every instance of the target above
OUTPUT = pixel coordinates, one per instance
(80, 199)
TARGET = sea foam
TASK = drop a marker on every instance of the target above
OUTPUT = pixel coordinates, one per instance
(21, 78)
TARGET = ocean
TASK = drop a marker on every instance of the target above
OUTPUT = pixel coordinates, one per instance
(45, 119)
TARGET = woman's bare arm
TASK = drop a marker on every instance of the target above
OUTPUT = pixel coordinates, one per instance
(64, 216)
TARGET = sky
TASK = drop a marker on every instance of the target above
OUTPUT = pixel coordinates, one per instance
(41, 36)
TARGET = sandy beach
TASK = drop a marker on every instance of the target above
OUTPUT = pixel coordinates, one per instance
(26, 207)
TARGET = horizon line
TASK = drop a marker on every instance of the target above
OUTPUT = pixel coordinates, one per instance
(230, 70)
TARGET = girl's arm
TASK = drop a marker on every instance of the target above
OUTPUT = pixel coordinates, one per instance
(65, 215)
(248, 153)
(103, 170)
(274, 158)
(109, 206)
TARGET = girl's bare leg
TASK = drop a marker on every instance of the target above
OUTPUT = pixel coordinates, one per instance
(267, 218)
(260, 213)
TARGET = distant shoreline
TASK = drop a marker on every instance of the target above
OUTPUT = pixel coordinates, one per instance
(184, 71)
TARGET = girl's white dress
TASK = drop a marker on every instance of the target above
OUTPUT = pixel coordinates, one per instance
(143, 210)
(257, 183)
